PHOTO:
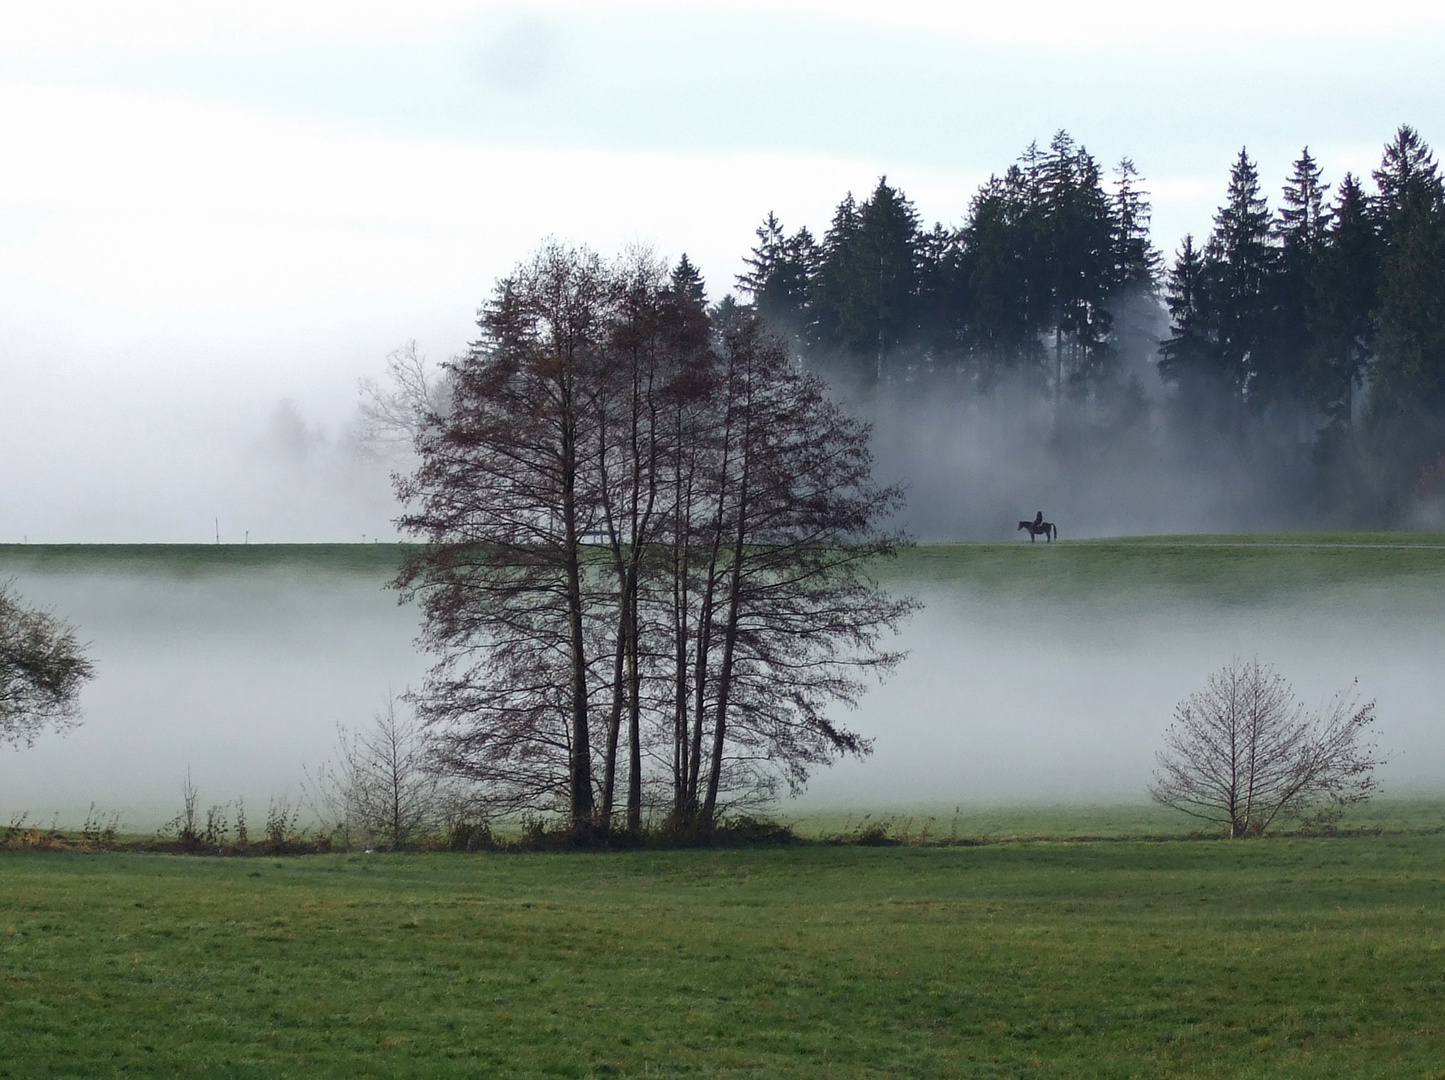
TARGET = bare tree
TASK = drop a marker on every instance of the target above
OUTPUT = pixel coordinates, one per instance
(787, 621)
(1244, 752)
(393, 412)
(42, 670)
(632, 435)
(505, 496)
(382, 785)
(642, 523)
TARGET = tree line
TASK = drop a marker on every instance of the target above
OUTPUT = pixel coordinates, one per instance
(1321, 322)
(647, 536)
(1026, 287)
(1330, 310)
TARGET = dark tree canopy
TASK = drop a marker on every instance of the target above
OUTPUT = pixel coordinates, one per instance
(1024, 289)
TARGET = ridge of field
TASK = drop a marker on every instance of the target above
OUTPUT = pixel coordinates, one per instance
(1242, 568)
(1226, 566)
(1270, 958)
(193, 560)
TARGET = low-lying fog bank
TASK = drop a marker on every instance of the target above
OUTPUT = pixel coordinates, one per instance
(243, 676)
(240, 678)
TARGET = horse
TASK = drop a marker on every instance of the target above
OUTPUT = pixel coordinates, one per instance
(1047, 529)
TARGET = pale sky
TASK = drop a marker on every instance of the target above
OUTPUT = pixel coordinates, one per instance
(207, 210)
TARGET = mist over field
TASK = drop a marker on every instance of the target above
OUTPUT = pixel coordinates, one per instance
(1013, 693)
(1017, 700)
(975, 466)
(240, 678)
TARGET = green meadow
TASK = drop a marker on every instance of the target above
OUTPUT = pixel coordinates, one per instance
(1286, 957)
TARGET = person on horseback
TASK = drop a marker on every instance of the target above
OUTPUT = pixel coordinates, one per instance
(1039, 527)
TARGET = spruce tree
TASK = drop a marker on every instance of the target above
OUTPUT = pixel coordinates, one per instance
(834, 282)
(867, 279)
(779, 269)
(1407, 396)
(1239, 260)
(1188, 359)
(1300, 232)
(943, 304)
(1076, 248)
(1135, 260)
(1343, 298)
(998, 263)
(1407, 164)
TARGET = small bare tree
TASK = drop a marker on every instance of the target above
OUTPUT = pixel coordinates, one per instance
(382, 786)
(1243, 752)
(42, 670)
(394, 411)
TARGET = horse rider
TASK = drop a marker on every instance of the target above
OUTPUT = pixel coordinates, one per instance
(1039, 520)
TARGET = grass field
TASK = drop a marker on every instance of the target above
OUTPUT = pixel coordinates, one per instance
(1276, 958)
(925, 824)
(1234, 569)
(189, 560)
(1232, 566)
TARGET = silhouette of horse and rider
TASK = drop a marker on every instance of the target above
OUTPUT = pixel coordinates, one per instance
(1039, 527)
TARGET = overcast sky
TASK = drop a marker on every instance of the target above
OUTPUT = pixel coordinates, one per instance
(213, 221)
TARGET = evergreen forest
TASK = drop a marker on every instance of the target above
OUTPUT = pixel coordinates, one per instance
(1303, 342)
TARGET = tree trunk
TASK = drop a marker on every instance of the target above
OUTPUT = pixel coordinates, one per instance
(614, 726)
(719, 731)
(580, 771)
(730, 628)
(634, 717)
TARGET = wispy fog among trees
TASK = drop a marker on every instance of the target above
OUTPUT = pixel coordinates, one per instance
(1286, 369)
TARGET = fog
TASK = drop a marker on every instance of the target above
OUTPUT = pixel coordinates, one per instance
(207, 212)
(242, 678)
(1021, 701)
(974, 465)
(153, 451)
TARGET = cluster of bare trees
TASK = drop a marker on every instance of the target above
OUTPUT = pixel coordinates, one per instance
(647, 538)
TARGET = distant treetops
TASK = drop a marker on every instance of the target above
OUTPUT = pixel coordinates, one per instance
(1325, 317)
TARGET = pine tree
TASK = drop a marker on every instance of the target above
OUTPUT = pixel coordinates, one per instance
(835, 281)
(1406, 165)
(1135, 259)
(1239, 261)
(1300, 232)
(1076, 246)
(999, 264)
(1407, 396)
(867, 278)
(1188, 358)
(779, 269)
(943, 305)
(1343, 297)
